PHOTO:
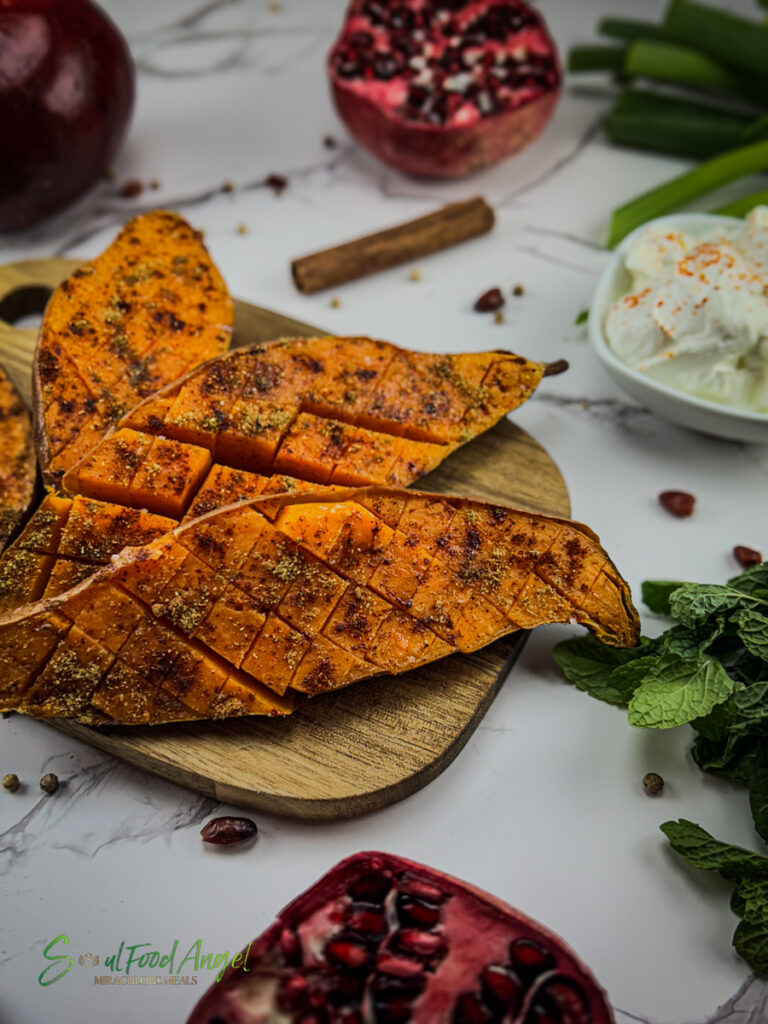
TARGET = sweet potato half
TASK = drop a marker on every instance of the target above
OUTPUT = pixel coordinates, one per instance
(233, 613)
(18, 469)
(339, 411)
(150, 308)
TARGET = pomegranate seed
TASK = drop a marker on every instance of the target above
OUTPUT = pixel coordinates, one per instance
(746, 557)
(348, 988)
(415, 912)
(400, 966)
(347, 1015)
(561, 999)
(347, 954)
(290, 947)
(293, 993)
(372, 888)
(490, 301)
(677, 503)
(392, 1012)
(471, 1010)
(530, 959)
(360, 40)
(420, 889)
(369, 922)
(419, 943)
(502, 988)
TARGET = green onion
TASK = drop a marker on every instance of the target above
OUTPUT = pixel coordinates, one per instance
(741, 207)
(648, 120)
(681, 190)
(736, 41)
(629, 29)
(596, 58)
(670, 63)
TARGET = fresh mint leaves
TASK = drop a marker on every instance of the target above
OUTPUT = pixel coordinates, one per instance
(673, 691)
(709, 670)
(702, 850)
(750, 873)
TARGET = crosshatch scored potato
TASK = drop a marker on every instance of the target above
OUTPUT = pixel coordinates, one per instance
(338, 411)
(146, 311)
(238, 611)
(18, 469)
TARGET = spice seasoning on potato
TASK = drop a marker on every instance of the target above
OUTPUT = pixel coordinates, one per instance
(237, 612)
(150, 308)
(346, 411)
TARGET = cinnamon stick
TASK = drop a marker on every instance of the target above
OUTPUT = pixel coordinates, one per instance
(454, 223)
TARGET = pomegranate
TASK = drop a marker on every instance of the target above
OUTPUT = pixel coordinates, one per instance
(66, 95)
(380, 940)
(444, 87)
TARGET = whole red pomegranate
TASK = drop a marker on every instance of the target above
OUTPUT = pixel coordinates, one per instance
(444, 87)
(66, 95)
(381, 940)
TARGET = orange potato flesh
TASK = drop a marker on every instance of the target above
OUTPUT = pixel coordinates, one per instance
(65, 542)
(233, 613)
(18, 468)
(346, 411)
(152, 307)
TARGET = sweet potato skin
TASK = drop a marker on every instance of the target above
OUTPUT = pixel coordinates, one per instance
(18, 469)
(233, 613)
(146, 311)
(339, 411)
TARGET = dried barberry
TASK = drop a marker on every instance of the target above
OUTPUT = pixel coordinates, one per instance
(226, 831)
(677, 503)
(490, 301)
(746, 557)
(131, 189)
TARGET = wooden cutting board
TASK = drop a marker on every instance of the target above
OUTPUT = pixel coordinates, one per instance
(359, 749)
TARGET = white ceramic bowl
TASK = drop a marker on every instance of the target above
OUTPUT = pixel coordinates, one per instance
(677, 406)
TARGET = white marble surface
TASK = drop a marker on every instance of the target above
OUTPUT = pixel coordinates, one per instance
(544, 807)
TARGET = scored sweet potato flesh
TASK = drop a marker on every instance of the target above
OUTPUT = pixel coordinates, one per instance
(67, 539)
(145, 312)
(65, 542)
(18, 469)
(229, 614)
(337, 411)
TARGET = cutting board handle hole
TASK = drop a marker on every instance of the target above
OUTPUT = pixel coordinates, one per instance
(24, 306)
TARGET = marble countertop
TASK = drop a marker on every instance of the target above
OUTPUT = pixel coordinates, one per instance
(544, 807)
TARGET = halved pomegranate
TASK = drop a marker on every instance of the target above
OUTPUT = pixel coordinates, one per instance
(444, 87)
(382, 940)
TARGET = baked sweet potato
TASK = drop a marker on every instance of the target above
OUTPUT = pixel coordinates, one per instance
(18, 469)
(150, 308)
(228, 614)
(340, 411)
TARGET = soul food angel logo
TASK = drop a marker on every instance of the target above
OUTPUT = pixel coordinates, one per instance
(140, 956)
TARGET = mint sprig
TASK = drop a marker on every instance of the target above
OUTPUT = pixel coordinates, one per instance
(710, 670)
(750, 872)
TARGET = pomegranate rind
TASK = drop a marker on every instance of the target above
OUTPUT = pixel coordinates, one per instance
(451, 149)
(478, 927)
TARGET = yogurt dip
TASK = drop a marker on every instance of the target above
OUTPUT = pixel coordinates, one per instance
(696, 315)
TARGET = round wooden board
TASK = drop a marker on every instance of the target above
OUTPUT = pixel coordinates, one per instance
(359, 749)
